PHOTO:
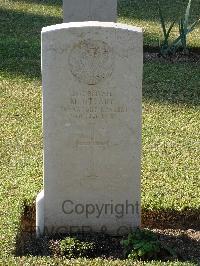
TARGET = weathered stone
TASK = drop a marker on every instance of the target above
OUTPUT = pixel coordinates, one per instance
(92, 90)
(89, 10)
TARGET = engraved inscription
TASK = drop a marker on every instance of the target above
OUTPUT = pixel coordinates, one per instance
(91, 61)
(94, 104)
(91, 142)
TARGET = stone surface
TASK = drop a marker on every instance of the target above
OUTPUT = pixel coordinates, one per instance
(40, 213)
(92, 90)
(89, 10)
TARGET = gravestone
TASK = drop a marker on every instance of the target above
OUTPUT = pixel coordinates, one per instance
(89, 10)
(92, 90)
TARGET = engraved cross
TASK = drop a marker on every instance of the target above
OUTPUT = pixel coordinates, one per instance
(91, 142)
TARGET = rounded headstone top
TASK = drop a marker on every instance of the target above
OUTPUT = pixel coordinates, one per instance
(91, 24)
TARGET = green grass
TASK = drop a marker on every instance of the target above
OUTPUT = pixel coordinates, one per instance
(144, 13)
(171, 115)
(83, 262)
(171, 127)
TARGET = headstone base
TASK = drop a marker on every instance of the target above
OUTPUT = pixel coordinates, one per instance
(40, 214)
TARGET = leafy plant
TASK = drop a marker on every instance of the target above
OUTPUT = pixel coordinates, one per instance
(167, 48)
(185, 29)
(143, 244)
(74, 248)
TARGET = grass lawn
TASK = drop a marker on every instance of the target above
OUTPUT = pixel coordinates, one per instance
(171, 115)
(144, 13)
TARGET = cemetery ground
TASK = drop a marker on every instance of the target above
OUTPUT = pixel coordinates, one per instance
(171, 132)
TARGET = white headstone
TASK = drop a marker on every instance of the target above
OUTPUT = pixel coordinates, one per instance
(92, 91)
(89, 10)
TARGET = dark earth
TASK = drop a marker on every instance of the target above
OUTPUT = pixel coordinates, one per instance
(178, 57)
(179, 231)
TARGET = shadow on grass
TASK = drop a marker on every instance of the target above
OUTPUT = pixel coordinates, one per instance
(44, 2)
(147, 10)
(20, 41)
(20, 55)
(171, 219)
(144, 13)
(186, 245)
(174, 83)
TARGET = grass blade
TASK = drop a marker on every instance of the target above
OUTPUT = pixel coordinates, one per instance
(162, 20)
(170, 28)
(191, 28)
(187, 14)
(176, 42)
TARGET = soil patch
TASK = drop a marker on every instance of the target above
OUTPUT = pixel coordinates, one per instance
(178, 57)
(177, 230)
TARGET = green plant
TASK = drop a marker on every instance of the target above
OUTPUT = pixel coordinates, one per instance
(170, 121)
(143, 244)
(165, 46)
(74, 248)
(184, 29)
